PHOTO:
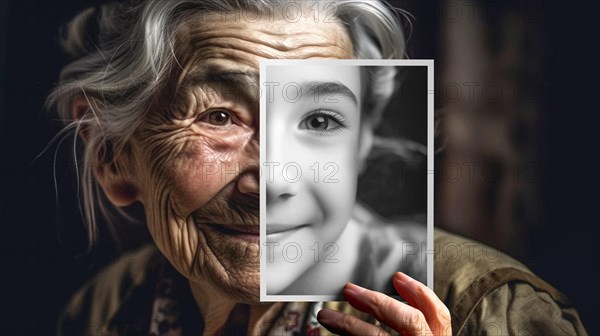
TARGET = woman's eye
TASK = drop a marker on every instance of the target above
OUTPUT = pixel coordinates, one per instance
(217, 118)
(320, 122)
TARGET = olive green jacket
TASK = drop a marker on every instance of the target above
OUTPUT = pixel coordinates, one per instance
(487, 293)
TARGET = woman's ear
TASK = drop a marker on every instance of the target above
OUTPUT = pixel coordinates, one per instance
(114, 174)
(115, 177)
(120, 193)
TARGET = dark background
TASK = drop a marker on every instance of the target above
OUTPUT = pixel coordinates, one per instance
(395, 185)
(42, 242)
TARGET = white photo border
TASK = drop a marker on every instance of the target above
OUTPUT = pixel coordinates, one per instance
(429, 250)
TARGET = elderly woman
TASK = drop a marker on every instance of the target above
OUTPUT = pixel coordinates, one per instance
(160, 91)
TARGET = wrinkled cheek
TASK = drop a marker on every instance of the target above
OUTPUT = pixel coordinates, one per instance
(183, 183)
(198, 175)
(191, 186)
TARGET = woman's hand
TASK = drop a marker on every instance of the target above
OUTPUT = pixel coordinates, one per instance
(426, 315)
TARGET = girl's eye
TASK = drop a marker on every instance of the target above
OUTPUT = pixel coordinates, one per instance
(217, 118)
(318, 123)
(322, 121)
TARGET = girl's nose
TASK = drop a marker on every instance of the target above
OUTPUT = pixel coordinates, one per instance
(280, 186)
(280, 170)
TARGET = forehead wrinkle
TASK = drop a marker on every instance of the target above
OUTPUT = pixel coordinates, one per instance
(263, 38)
(287, 37)
(240, 49)
(286, 41)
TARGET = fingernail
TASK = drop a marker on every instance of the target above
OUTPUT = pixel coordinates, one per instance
(402, 278)
(354, 295)
(327, 316)
(353, 289)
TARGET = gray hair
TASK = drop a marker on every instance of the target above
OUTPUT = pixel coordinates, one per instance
(123, 53)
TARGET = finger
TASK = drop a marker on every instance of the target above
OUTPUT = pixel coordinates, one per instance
(344, 324)
(395, 314)
(424, 299)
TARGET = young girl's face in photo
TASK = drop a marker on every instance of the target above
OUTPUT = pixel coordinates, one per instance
(313, 131)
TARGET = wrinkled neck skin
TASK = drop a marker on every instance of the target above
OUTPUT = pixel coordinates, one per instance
(173, 150)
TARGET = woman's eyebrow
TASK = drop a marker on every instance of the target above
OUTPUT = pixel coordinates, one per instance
(241, 84)
(329, 92)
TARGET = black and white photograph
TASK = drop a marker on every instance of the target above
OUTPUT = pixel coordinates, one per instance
(344, 168)
(299, 167)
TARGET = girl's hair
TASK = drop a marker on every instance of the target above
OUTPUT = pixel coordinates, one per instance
(123, 53)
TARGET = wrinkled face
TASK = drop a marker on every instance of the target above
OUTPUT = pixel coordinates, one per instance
(313, 132)
(198, 153)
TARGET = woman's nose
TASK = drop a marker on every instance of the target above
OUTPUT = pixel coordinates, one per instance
(249, 177)
(248, 181)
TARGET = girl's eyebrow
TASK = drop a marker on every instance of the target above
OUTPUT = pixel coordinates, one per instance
(330, 91)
